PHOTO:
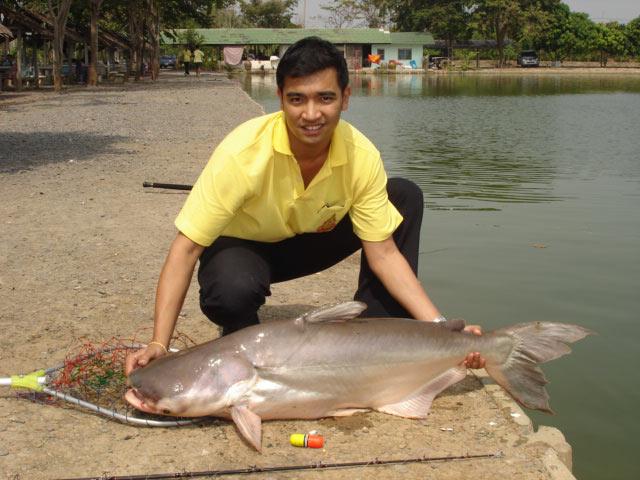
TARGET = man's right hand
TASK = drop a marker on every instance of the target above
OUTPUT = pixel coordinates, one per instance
(142, 357)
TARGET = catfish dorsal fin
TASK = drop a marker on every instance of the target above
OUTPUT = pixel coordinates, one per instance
(337, 312)
(249, 424)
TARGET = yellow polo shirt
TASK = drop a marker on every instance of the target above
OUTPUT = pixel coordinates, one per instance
(252, 188)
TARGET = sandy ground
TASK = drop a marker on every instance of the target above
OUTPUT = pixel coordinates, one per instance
(81, 246)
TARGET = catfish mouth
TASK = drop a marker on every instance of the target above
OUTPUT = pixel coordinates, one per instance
(141, 403)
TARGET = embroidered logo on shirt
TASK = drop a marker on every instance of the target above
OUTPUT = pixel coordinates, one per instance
(328, 224)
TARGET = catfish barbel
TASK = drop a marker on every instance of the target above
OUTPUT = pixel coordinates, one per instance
(328, 363)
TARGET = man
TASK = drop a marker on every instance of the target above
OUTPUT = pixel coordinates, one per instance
(198, 56)
(186, 58)
(289, 194)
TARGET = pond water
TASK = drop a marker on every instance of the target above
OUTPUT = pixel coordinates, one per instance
(532, 212)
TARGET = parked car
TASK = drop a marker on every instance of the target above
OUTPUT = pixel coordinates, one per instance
(168, 61)
(528, 58)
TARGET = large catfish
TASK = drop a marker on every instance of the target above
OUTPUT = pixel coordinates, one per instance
(327, 363)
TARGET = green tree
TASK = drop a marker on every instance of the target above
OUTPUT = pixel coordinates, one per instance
(268, 13)
(373, 13)
(566, 33)
(191, 39)
(502, 19)
(611, 41)
(448, 20)
(632, 32)
(354, 13)
(94, 8)
(59, 14)
(226, 17)
(341, 14)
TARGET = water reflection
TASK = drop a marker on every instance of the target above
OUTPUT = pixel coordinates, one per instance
(512, 143)
(476, 142)
(491, 85)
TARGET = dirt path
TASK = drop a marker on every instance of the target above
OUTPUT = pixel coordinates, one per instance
(81, 246)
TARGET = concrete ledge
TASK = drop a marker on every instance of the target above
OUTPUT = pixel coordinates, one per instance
(557, 456)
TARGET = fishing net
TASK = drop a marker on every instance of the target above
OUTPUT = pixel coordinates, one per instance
(92, 375)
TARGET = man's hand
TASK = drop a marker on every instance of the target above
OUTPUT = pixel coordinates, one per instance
(474, 360)
(172, 287)
(142, 357)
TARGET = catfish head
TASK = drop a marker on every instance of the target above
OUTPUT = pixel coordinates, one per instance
(189, 384)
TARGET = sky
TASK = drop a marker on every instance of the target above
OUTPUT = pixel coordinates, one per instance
(621, 11)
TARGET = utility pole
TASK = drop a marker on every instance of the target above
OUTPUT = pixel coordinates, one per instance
(304, 13)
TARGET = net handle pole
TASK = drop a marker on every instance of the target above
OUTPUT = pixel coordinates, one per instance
(33, 381)
(119, 416)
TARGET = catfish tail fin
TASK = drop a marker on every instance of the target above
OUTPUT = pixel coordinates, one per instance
(521, 348)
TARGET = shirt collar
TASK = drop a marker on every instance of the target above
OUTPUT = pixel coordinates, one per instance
(280, 135)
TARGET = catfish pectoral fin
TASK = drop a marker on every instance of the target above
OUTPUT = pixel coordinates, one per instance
(249, 424)
(418, 404)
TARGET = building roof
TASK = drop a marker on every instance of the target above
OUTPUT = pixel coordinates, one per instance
(411, 38)
(288, 36)
(40, 26)
(5, 32)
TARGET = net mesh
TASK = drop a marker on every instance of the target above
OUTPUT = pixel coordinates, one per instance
(94, 371)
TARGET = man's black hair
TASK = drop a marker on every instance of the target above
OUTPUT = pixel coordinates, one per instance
(311, 55)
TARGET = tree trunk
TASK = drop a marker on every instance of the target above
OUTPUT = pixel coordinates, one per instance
(155, 38)
(136, 36)
(94, 6)
(500, 32)
(127, 74)
(58, 17)
(139, 55)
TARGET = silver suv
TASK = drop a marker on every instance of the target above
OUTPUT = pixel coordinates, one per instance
(528, 58)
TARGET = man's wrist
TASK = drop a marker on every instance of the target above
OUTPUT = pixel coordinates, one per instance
(440, 319)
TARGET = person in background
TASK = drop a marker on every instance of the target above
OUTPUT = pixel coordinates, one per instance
(186, 59)
(11, 75)
(198, 56)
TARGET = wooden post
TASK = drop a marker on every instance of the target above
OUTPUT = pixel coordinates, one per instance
(34, 62)
(71, 46)
(19, 60)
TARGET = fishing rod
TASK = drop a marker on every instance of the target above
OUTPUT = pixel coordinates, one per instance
(287, 468)
(169, 186)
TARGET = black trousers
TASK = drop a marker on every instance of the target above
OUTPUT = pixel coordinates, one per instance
(235, 275)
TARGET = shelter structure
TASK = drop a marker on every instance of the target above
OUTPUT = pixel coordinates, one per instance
(446, 50)
(34, 29)
(5, 32)
(356, 44)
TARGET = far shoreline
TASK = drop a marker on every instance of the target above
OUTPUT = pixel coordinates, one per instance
(566, 70)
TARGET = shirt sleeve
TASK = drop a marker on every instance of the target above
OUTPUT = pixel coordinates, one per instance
(217, 195)
(373, 216)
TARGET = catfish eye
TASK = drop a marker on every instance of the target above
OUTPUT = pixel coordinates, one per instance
(166, 411)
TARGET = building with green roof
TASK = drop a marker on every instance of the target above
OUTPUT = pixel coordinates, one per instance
(405, 48)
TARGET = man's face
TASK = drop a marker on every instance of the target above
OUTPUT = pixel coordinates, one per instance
(312, 106)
